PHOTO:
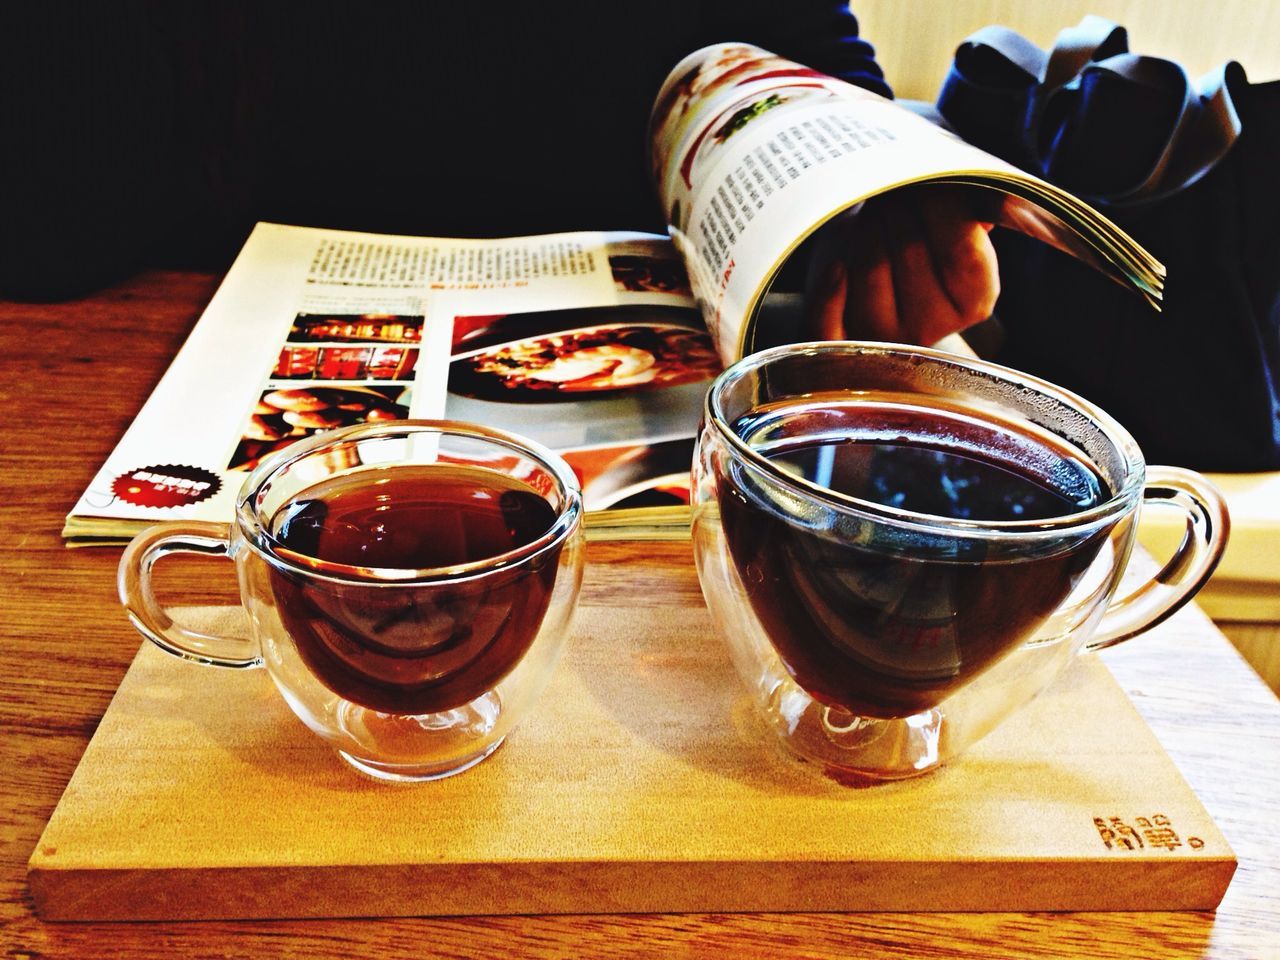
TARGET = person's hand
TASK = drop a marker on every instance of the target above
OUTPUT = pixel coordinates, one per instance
(911, 266)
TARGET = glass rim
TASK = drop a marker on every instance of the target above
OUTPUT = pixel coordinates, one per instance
(1121, 499)
(266, 545)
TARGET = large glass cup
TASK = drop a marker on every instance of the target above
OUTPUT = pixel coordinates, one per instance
(878, 638)
(410, 674)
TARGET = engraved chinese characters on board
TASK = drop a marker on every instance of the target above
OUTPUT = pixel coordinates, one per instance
(1142, 833)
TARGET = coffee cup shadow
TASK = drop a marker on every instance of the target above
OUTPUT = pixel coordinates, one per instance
(235, 712)
(664, 698)
(662, 693)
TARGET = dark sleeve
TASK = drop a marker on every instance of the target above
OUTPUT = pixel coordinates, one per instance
(86, 106)
(822, 34)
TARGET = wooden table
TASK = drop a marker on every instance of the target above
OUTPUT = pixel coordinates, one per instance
(75, 375)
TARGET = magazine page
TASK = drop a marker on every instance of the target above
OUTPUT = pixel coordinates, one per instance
(587, 342)
(752, 153)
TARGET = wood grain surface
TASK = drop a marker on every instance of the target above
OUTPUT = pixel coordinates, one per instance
(76, 373)
(1259, 644)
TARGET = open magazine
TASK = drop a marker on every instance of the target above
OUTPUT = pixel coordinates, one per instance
(598, 345)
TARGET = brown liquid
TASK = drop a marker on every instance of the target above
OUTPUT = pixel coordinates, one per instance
(415, 648)
(887, 622)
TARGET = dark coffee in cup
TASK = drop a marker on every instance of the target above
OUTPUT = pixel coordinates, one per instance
(413, 646)
(887, 620)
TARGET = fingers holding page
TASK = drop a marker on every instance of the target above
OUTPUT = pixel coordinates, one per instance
(912, 266)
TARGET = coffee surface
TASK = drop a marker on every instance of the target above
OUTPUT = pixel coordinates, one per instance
(425, 646)
(871, 622)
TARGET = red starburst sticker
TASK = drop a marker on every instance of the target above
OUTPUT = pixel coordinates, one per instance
(168, 485)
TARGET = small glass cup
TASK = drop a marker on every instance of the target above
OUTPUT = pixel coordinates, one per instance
(410, 674)
(878, 639)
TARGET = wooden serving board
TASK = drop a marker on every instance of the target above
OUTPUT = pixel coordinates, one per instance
(642, 782)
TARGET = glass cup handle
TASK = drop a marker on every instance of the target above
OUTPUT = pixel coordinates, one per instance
(133, 580)
(1208, 525)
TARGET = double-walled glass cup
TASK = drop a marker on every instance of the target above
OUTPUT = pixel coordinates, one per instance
(410, 673)
(878, 637)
